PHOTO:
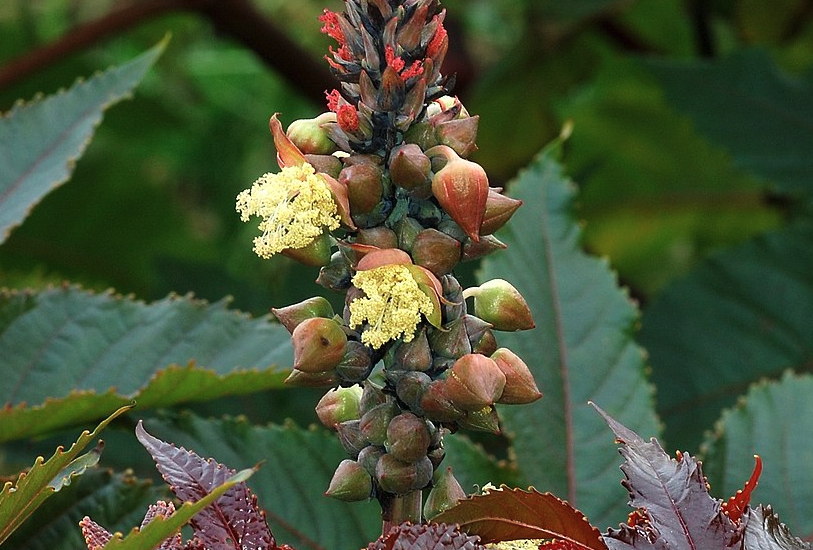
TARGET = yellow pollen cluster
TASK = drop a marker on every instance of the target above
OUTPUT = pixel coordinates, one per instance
(295, 206)
(392, 307)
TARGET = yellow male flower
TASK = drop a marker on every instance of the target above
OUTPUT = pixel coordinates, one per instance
(295, 205)
(392, 306)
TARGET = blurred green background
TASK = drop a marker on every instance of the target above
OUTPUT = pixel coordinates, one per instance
(150, 208)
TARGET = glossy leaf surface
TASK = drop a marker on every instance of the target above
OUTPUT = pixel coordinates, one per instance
(581, 348)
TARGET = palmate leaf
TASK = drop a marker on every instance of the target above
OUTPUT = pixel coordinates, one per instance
(76, 352)
(234, 520)
(160, 528)
(19, 500)
(741, 316)
(672, 496)
(763, 117)
(297, 465)
(771, 421)
(581, 348)
(117, 501)
(41, 141)
(511, 514)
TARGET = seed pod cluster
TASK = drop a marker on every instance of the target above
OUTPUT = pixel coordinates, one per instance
(394, 147)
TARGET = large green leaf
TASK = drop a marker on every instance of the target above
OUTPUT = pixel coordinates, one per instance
(581, 349)
(77, 354)
(775, 421)
(41, 141)
(18, 500)
(743, 315)
(297, 467)
(116, 501)
(761, 115)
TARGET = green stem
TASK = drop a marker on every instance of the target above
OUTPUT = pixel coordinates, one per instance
(397, 510)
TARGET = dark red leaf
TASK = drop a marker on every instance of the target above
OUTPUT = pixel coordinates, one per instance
(673, 496)
(234, 521)
(512, 514)
(434, 536)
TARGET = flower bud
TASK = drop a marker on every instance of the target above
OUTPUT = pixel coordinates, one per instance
(424, 470)
(336, 274)
(486, 344)
(368, 457)
(410, 167)
(415, 354)
(339, 405)
(350, 482)
(375, 421)
(364, 186)
(449, 227)
(461, 189)
(426, 212)
(350, 436)
(445, 494)
(371, 396)
(499, 303)
(436, 456)
(309, 136)
(520, 387)
(475, 327)
(407, 437)
(484, 420)
(499, 210)
(459, 134)
(454, 305)
(316, 254)
(421, 134)
(436, 251)
(380, 237)
(395, 476)
(319, 345)
(291, 316)
(356, 364)
(451, 341)
(476, 250)
(325, 164)
(474, 382)
(437, 405)
(407, 229)
(410, 388)
(300, 379)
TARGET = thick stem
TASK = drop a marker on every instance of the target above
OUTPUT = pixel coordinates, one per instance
(397, 510)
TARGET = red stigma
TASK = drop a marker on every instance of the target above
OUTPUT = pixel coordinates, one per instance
(333, 97)
(437, 41)
(348, 118)
(331, 27)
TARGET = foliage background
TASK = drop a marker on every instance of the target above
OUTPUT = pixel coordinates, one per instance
(671, 151)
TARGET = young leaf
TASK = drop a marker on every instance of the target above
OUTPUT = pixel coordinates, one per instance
(434, 536)
(64, 347)
(41, 141)
(672, 496)
(511, 514)
(161, 528)
(19, 500)
(581, 348)
(296, 461)
(234, 521)
(763, 531)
